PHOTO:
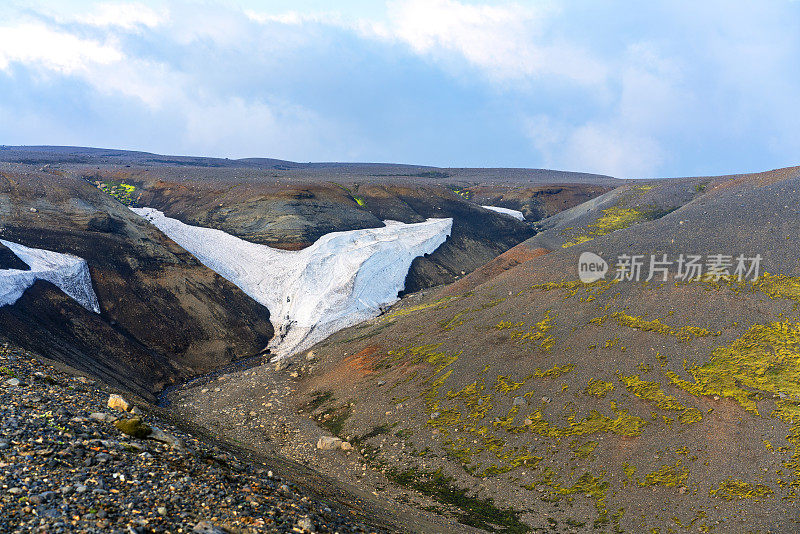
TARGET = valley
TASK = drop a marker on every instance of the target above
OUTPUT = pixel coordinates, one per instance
(256, 302)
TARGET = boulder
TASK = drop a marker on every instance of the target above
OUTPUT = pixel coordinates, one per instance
(159, 435)
(134, 427)
(327, 443)
(118, 402)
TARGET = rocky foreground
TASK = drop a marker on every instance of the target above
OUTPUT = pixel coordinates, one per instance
(67, 465)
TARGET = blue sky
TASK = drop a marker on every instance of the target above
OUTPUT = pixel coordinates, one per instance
(662, 88)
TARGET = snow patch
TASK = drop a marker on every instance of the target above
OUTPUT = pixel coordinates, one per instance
(506, 211)
(69, 273)
(342, 279)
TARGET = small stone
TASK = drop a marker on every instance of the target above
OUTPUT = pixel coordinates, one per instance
(346, 446)
(162, 510)
(519, 401)
(13, 382)
(305, 524)
(159, 435)
(134, 427)
(102, 417)
(381, 382)
(15, 491)
(81, 488)
(327, 443)
(206, 527)
(118, 402)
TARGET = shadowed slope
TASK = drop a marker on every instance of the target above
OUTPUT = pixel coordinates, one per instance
(152, 293)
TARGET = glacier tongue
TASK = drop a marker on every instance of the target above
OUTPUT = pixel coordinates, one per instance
(342, 279)
(506, 211)
(69, 273)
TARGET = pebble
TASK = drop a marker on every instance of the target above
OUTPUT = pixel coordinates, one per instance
(80, 473)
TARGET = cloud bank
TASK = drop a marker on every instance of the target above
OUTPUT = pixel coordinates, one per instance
(666, 88)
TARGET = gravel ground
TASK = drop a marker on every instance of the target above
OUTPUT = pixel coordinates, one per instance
(65, 467)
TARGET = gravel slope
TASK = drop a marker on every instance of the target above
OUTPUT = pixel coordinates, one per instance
(64, 467)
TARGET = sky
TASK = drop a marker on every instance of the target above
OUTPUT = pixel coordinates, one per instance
(629, 89)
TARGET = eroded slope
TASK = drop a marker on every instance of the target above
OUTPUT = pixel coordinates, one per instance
(613, 405)
(163, 316)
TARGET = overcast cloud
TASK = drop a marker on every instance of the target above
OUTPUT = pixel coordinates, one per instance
(633, 90)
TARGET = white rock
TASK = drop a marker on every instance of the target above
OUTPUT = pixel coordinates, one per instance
(118, 402)
(13, 382)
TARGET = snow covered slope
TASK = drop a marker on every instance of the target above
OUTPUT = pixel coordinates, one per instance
(340, 280)
(506, 211)
(69, 273)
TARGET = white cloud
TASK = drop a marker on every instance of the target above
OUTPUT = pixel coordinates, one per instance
(241, 128)
(603, 148)
(507, 42)
(35, 43)
(295, 18)
(125, 15)
(623, 139)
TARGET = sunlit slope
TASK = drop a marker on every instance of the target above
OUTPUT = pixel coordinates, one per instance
(618, 404)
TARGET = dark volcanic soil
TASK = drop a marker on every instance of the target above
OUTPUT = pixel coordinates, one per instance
(521, 398)
(290, 205)
(65, 467)
(165, 317)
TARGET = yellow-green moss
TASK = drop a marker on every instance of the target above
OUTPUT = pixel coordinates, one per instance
(685, 333)
(583, 449)
(765, 358)
(666, 475)
(538, 333)
(119, 190)
(652, 392)
(623, 425)
(441, 303)
(736, 489)
(778, 286)
(614, 218)
(599, 388)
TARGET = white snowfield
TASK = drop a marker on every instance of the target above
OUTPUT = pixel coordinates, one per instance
(506, 211)
(69, 273)
(342, 279)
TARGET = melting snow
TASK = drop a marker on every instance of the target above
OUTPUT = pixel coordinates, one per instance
(506, 211)
(69, 273)
(342, 279)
